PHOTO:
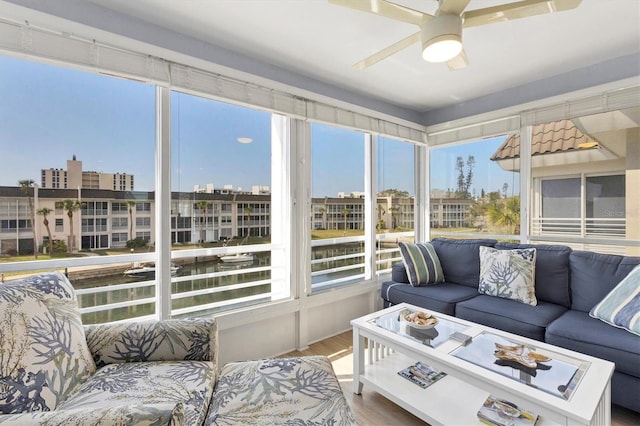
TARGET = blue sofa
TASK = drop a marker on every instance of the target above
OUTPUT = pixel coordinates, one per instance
(568, 283)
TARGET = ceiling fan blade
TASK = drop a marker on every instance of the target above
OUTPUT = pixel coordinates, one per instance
(521, 9)
(383, 8)
(454, 7)
(387, 51)
(459, 62)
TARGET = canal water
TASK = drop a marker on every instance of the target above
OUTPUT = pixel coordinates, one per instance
(236, 276)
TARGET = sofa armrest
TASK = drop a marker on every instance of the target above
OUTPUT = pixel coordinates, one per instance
(169, 340)
(156, 414)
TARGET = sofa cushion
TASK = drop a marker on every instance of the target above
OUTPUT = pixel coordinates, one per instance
(621, 307)
(509, 274)
(286, 391)
(189, 383)
(126, 414)
(168, 340)
(399, 273)
(579, 332)
(460, 259)
(44, 352)
(594, 275)
(441, 298)
(504, 314)
(552, 271)
(421, 263)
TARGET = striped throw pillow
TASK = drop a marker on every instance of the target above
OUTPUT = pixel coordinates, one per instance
(621, 307)
(422, 263)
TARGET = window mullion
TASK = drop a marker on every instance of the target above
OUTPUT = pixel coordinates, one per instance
(163, 202)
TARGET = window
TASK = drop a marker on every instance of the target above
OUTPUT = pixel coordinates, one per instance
(119, 208)
(584, 182)
(143, 207)
(221, 156)
(119, 239)
(337, 206)
(395, 200)
(143, 222)
(475, 189)
(89, 127)
(145, 235)
(119, 223)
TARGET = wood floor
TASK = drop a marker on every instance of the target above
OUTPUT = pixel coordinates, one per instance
(372, 409)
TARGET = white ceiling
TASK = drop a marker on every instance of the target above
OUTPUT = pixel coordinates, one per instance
(321, 41)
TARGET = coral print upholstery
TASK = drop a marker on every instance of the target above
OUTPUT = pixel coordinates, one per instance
(44, 355)
(153, 341)
(287, 391)
(509, 274)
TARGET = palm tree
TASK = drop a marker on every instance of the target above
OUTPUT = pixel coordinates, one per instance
(323, 211)
(345, 212)
(202, 205)
(71, 206)
(505, 213)
(395, 210)
(131, 204)
(26, 186)
(44, 212)
(381, 212)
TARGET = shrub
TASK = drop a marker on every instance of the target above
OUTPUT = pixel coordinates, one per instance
(137, 243)
(59, 247)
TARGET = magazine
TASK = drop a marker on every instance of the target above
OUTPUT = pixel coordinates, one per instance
(498, 412)
(421, 374)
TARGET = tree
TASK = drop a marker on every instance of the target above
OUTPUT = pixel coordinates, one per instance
(44, 212)
(70, 206)
(202, 205)
(393, 193)
(323, 211)
(381, 213)
(464, 180)
(395, 210)
(345, 212)
(131, 204)
(26, 186)
(505, 213)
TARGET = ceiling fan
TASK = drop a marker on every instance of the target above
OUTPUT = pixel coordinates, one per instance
(440, 34)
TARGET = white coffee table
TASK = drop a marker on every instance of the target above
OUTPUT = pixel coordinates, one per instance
(455, 399)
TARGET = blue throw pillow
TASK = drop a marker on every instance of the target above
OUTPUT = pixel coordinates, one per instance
(621, 307)
(422, 263)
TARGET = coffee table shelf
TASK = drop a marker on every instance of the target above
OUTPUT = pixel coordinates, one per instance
(380, 352)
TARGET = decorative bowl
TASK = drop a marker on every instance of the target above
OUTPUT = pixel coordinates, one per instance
(419, 320)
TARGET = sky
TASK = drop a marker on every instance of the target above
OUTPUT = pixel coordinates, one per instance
(48, 114)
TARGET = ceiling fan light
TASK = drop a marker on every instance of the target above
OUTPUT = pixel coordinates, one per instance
(442, 49)
(442, 38)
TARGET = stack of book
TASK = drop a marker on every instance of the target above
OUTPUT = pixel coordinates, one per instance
(498, 412)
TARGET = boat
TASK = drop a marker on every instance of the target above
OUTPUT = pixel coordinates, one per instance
(148, 270)
(236, 258)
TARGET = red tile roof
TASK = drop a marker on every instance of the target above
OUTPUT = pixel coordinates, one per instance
(547, 138)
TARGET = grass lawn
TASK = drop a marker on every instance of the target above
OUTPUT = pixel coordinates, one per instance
(320, 234)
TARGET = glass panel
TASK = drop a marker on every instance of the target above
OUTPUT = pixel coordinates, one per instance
(548, 371)
(221, 183)
(431, 337)
(395, 201)
(475, 189)
(337, 206)
(605, 205)
(585, 173)
(87, 136)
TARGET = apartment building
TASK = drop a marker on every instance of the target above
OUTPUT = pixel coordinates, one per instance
(74, 177)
